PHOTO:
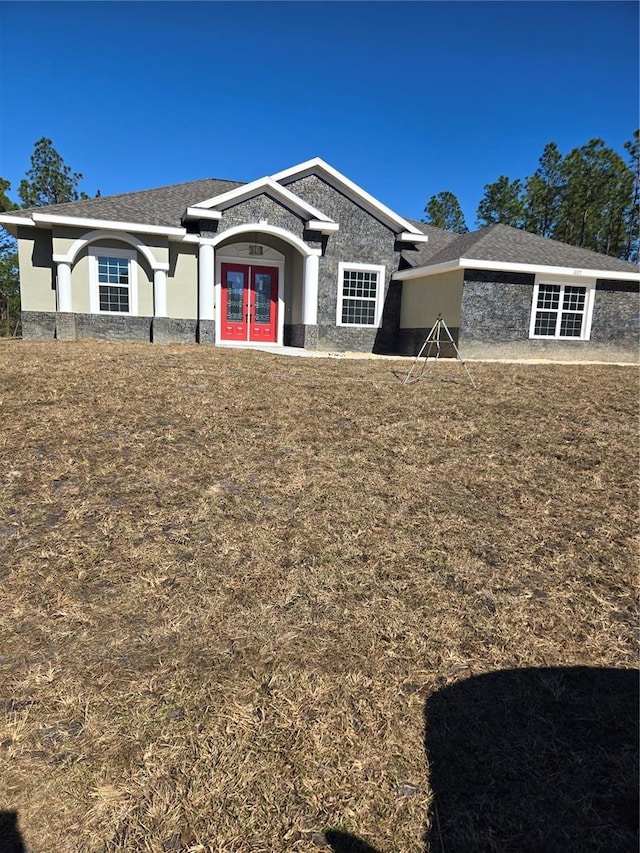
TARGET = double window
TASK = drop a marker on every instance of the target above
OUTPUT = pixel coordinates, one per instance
(360, 293)
(561, 311)
(113, 281)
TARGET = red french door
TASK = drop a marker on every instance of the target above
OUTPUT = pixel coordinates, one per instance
(249, 303)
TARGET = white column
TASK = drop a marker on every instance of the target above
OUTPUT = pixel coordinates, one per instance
(159, 293)
(206, 267)
(310, 292)
(64, 287)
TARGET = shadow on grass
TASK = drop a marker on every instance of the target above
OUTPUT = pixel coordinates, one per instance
(531, 760)
(10, 838)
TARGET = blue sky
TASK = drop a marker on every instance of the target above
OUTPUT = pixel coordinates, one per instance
(405, 98)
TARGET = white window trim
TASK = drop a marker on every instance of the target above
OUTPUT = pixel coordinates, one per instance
(564, 281)
(94, 284)
(381, 270)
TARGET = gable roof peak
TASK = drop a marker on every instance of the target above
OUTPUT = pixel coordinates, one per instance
(320, 167)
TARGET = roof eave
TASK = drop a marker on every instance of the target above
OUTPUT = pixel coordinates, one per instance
(506, 266)
(11, 223)
(50, 219)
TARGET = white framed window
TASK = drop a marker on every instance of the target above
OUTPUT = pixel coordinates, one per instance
(562, 310)
(360, 292)
(113, 281)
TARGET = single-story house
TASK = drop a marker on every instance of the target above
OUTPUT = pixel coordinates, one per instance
(306, 258)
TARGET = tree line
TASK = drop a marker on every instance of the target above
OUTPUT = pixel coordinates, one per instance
(48, 181)
(589, 197)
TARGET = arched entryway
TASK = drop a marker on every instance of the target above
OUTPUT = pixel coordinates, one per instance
(251, 280)
(265, 286)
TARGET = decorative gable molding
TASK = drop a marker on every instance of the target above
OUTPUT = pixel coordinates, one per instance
(317, 166)
(267, 186)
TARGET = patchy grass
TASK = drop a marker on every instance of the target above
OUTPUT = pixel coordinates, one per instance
(230, 582)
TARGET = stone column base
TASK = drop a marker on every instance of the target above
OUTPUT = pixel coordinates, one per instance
(310, 337)
(206, 332)
(66, 327)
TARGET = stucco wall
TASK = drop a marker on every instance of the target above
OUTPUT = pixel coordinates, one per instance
(37, 276)
(64, 237)
(424, 298)
(182, 281)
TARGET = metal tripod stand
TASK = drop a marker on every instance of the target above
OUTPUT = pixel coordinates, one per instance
(434, 339)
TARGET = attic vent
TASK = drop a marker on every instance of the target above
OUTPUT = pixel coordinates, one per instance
(255, 250)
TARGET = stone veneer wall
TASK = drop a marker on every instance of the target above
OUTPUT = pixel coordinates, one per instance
(169, 330)
(496, 313)
(38, 325)
(360, 239)
(41, 325)
(261, 207)
(615, 315)
(294, 335)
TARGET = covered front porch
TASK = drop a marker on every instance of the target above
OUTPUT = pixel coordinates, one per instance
(257, 286)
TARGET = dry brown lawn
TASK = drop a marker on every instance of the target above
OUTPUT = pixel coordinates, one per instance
(231, 582)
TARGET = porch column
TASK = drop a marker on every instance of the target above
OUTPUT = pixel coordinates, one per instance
(310, 291)
(206, 269)
(63, 286)
(159, 293)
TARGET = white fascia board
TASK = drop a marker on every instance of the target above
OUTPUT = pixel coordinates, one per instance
(317, 164)
(408, 237)
(236, 195)
(424, 272)
(322, 227)
(543, 269)
(8, 219)
(113, 225)
(503, 266)
(201, 213)
(263, 185)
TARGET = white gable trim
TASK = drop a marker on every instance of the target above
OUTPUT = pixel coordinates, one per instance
(262, 185)
(502, 266)
(323, 227)
(318, 166)
(92, 236)
(201, 213)
(406, 237)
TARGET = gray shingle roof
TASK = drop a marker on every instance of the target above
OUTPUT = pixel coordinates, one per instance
(438, 239)
(511, 245)
(166, 205)
(160, 206)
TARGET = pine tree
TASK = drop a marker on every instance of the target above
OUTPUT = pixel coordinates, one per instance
(49, 180)
(443, 211)
(543, 193)
(9, 280)
(596, 199)
(502, 202)
(632, 238)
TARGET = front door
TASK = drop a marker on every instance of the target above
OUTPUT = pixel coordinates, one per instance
(249, 303)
